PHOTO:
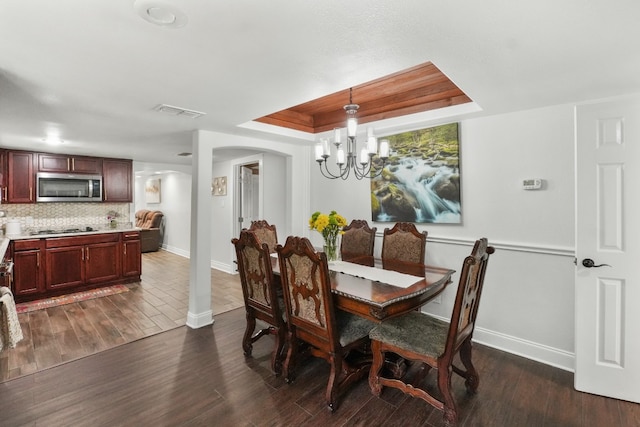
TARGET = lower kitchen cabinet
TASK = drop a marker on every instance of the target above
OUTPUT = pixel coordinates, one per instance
(57, 265)
(73, 265)
(28, 268)
(131, 254)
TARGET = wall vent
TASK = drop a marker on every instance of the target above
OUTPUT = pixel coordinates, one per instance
(178, 111)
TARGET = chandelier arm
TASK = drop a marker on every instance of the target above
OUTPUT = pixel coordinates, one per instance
(343, 174)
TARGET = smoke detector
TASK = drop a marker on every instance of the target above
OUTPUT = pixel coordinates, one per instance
(178, 111)
(160, 13)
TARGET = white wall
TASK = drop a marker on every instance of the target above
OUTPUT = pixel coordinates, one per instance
(175, 204)
(527, 305)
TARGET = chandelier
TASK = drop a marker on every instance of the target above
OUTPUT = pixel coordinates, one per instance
(347, 159)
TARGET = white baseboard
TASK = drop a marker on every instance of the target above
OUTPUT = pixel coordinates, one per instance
(540, 353)
(199, 320)
(231, 269)
(176, 251)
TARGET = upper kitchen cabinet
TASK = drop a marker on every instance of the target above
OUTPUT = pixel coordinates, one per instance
(20, 178)
(3, 176)
(116, 180)
(65, 163)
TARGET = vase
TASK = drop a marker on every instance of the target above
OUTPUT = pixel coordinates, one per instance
(113, 223)
(331, 250)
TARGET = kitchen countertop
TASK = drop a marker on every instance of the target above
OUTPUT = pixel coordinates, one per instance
(4, 243)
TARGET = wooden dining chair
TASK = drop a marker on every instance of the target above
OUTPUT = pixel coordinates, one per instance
(403, 243)
(421, 338)
(357, 240)
(341, 338)
(266, 233)
(260, 296)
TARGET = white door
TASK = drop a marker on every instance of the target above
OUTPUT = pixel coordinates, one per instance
(607, 285)
(248, 195)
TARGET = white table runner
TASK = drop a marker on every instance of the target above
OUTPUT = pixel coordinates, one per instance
(390, 277)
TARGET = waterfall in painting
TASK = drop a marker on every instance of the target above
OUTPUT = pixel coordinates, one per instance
(421, 182)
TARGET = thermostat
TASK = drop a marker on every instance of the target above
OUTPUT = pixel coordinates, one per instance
(532, 184)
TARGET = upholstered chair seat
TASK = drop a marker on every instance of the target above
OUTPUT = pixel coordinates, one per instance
(313, 322)
(433, 344)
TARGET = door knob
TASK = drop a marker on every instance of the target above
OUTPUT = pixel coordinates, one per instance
(589, 263)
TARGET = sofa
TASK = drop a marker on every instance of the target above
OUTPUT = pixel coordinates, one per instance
(150, 225)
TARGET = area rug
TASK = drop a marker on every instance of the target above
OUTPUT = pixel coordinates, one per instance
(26, 307)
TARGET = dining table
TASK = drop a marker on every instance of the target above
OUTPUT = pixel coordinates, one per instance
(363, 287)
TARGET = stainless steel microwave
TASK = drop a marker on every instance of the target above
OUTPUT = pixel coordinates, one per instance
(63, 187)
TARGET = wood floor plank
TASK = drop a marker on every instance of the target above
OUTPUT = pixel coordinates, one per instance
(200, 377)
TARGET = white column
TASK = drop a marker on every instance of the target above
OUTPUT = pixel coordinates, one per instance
(200, 313)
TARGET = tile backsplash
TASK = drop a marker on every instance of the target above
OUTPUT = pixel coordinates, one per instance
(64, 215)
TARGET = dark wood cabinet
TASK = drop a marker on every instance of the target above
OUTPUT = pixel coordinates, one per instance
(28, 267)
(64, 163)
(66, 267)
(58, 265)
(131, 254)
(18, 174)
(116, 180)
(82, 260)
(3, 176)
(102, 262)
(20, 177)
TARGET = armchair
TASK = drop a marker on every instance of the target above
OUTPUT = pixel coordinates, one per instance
(149, 223)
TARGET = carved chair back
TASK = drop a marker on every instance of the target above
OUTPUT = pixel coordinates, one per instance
(357, 240)
(404, 243)
(259, 290)
(266, 233)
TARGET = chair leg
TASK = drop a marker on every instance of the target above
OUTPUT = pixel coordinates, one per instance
(288, 369)
(376, 367)
(471, 375)
(444, 384)
(278, 351)
(246, 340)
(333, 385)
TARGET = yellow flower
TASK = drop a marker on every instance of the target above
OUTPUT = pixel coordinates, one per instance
(328, 225)
(321, 222)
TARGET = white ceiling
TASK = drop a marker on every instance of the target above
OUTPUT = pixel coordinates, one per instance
(92, 71)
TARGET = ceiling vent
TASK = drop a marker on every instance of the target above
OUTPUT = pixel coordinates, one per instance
(178, 111)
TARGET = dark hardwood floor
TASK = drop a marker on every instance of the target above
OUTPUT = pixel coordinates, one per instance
(186, 377)
(158, 303)
(141, 368)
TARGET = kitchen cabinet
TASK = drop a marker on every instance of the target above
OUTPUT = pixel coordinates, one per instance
(116, 180)
(28, 267)
(72, 164)
(45, 267)
(20, 177)
(82, 260)
(3, 176)
(131, 254)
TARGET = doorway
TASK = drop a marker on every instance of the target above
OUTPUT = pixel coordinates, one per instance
(248, 195)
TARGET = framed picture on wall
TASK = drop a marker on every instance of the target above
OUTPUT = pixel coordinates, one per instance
(421, 181)
(152, 190)
(219, 186)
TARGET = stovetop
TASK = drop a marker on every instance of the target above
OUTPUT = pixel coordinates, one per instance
(60, 231)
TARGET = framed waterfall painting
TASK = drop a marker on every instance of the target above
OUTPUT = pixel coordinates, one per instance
(421, 181)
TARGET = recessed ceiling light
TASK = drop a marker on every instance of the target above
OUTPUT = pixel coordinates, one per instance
(160, 13)
(53, 140)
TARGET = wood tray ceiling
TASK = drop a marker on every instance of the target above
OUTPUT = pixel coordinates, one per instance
(415, 90)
